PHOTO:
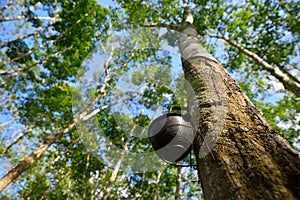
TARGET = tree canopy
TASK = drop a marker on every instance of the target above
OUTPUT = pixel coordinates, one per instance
(81, 81)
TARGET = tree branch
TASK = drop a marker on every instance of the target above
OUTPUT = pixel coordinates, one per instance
(26, 36)
(6, 72)
(5, 19)
(16, 141)
(6, 6)
(16, 72)
(40, 30)
(188, 14)
(162, 25)
(275, 71)
(291, 76)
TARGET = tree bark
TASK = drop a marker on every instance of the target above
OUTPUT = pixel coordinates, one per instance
(239, 156)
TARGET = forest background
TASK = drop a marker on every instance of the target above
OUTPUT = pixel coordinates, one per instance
(76, 75)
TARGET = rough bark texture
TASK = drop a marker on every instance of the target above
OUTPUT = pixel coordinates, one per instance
(239, 155)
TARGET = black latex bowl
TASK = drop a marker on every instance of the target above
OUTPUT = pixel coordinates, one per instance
(171, 136)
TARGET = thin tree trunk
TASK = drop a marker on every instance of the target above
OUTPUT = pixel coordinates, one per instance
(142, 185)
(84, 197)
(289, 84)
(239, 156)
(114, 174)
(153, 196)
(178, 180)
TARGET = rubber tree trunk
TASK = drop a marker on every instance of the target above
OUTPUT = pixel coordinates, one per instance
(239, 156)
